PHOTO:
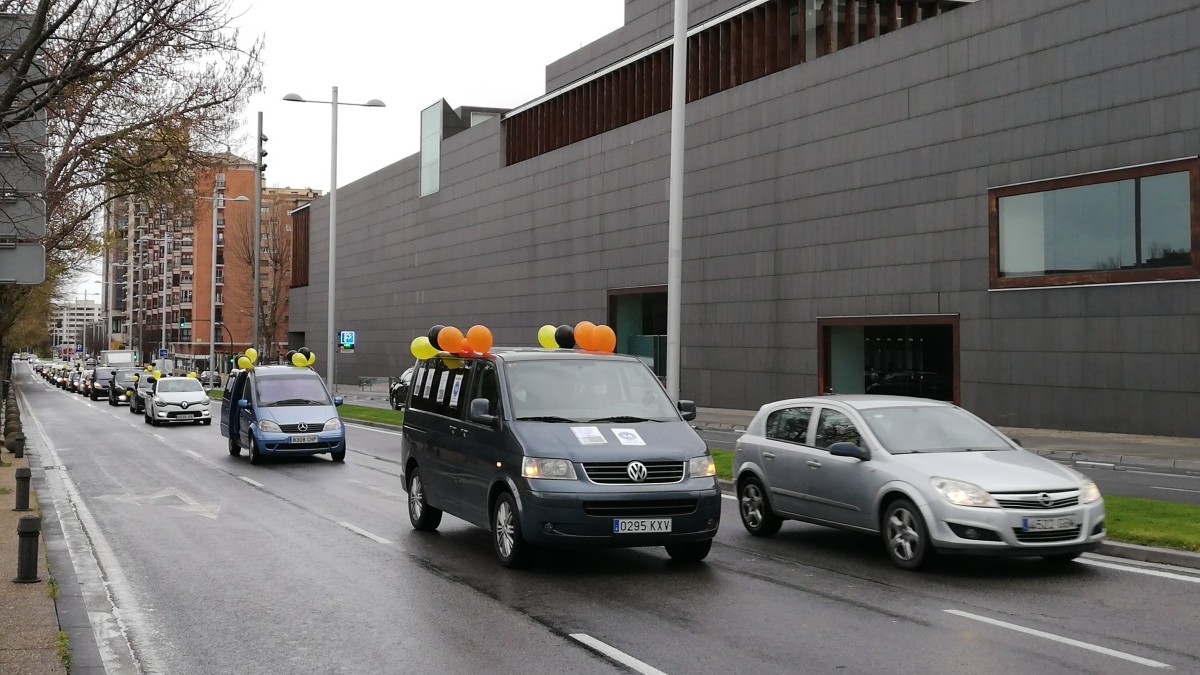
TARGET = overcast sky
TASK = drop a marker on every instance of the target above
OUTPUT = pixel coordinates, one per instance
(407, 53)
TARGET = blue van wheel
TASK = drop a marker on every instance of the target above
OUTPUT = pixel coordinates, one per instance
(420, 513)
(511, 548)
(338, 456)
(255, 455)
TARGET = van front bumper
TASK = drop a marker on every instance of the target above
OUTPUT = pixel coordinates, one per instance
(590, 518)
(295, 444)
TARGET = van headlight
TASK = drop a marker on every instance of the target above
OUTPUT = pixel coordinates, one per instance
(332, 425)
(1089, 493)
(962, 493)
(269, 426)
(702, 467)
(538, 467)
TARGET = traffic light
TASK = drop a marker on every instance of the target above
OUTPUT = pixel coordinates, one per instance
(183, 324)
(262, 138)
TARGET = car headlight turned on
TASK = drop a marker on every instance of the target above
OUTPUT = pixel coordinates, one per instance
(702, 467)
(269, 426)
(1089, 493)
(332, 425)
(538, 467)
(961, 493)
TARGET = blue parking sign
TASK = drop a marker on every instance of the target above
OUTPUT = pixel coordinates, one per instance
(346, 340)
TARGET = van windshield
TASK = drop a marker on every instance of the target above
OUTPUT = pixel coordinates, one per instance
(587, 390)
(291, 390)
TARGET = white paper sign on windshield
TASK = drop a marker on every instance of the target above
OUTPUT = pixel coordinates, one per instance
(589, 435)
(455, 390)
(628, 437)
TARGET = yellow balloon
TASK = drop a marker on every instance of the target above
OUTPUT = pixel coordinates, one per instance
(312, 358)
(298, 360)
(193, 375)
(252, 354)
(546, 337)
(422, 348)
(157, 374)
(243, 362)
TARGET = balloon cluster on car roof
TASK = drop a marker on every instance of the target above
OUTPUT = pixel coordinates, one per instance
(584, 335)
(301, 358)
(448, 339)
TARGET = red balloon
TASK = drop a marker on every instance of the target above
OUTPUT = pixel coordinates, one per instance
(480, 338)
(604, 339)
(450, 339)
(584, 335)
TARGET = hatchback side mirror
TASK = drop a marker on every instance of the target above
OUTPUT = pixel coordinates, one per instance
(688, 409)
(478, 412)
(849, 450)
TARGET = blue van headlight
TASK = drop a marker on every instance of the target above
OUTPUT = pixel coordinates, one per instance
(269, 427)
(333, 425)
(538, 467)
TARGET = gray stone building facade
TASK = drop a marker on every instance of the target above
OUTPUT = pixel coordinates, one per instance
(865, 212)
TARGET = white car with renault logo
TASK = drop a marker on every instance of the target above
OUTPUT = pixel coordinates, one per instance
(178, 399)
(559, 448)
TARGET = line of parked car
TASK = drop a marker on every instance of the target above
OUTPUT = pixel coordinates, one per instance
(173, 400)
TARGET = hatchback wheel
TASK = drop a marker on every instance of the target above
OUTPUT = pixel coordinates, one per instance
(691, 552)
(420, 513)
(757, 516)
(906, 536)
(511, 548)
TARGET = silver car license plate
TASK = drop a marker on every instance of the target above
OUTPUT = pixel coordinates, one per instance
(1042, 524)
(641, 525)
(311, 438)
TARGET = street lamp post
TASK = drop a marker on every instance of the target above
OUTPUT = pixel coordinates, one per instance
(212, 317)
(331, 330)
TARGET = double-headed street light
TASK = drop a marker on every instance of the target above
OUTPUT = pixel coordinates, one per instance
(331, 330)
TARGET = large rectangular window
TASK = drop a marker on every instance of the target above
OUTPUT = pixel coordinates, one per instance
(431, 149)
(1133, 224)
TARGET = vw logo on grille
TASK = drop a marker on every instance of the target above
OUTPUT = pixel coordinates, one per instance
(184, 405)
(636, 471)
(302, 427)
(1045, 500)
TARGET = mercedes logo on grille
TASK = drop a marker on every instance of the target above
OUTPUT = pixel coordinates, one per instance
(302, 427)
(636, 471)
(184, 405)
(1045, 500)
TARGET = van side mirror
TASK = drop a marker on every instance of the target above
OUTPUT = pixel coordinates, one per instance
(688, 409)
(849, 450)
(478, 412)
(338, 400)
(243, 403)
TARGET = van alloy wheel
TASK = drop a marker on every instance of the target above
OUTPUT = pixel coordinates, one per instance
(510, 545)
(420, 513)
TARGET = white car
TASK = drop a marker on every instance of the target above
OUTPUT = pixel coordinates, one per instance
(178, 399)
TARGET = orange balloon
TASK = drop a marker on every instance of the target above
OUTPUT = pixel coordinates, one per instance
(604, 339)
(465, 347)
(584, 335)
(450, 339)
(480, 338)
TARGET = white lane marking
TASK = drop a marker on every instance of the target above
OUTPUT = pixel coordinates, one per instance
(732, 497)
(251, 481)
(375, 429)
(1105, 465)
(1058, 638)
(195, 454)
(616, 654)
(1139, 570)
(368, 535)
(378, 489)
(1156, 487)
(161, 438)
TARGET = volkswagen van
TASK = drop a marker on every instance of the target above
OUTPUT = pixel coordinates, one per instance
(559, 448)
(277, 411)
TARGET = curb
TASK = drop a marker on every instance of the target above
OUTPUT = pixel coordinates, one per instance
(1139, 461)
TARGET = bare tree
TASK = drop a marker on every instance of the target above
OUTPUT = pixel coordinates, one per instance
(275, 265)
(136, 94)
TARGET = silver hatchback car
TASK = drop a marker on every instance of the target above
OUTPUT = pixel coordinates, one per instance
(927, 475)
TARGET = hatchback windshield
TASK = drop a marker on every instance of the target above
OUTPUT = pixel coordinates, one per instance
(125, 376)
(931, 429)
(291, 390)
(587, 390)
(179, 385)
(103, 375)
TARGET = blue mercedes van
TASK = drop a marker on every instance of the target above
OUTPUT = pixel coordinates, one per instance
(559, 448)
(281, 411)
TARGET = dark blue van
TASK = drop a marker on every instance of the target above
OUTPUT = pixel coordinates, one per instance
(281, 411)
(557, 447)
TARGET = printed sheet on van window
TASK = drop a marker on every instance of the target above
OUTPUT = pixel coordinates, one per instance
(589, 435)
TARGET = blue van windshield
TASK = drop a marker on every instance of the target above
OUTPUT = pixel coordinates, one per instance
(587, 390)
(298, 389)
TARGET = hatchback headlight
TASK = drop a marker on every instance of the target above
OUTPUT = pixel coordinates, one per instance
(269, 426)
(538, 467)
(702, 467)
(159, 401)
(1089, 493)
(962, 493)
(332, 425)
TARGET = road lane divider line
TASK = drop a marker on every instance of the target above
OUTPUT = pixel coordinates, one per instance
(375, 429)
(1139, 570)
(1060, 639)
(376, 488)
(160, 437)
(195, 454)
(368, 535)
(1159, 487)
(616, 654)
(251, 481)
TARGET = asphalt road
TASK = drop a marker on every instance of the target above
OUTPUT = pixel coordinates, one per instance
(1124, 481)
(202, 563)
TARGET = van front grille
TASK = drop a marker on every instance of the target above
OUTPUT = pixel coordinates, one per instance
(640, 508)
(617, 473)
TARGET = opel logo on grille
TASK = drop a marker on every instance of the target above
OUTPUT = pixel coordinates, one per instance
(636, 471)
(1045, 500)
(302, 427)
